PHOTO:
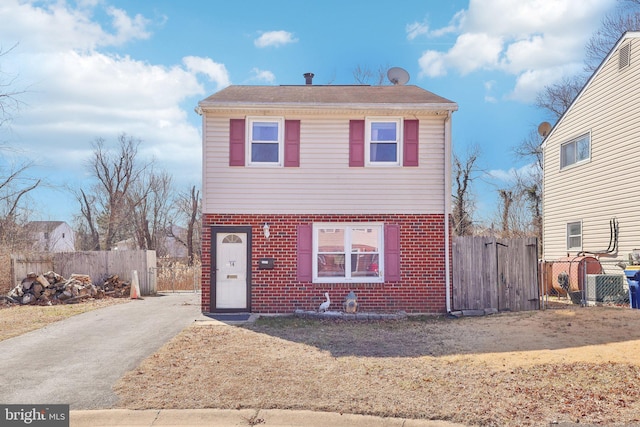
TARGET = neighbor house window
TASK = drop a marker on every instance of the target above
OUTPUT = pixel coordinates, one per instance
(265, 141)
(347, 252)
(575, 151)
(574, 235)
(383, 141)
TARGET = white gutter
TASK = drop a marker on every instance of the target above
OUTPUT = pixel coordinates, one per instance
(447, 207)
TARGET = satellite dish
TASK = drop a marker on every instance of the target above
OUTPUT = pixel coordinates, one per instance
(398, 76)
(544, 129)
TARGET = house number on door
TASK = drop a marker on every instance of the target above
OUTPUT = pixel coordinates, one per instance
(232, 263)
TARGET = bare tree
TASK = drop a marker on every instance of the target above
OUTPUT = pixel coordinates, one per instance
(108, 208)
(625, 18)
(88, 237)
(9, 96)
(531, 185)
(14, 186)
(364, 75)
(15, 183)
(557, 97)
(463, 171)
(506, 197)
(189, 209)
(150, 202)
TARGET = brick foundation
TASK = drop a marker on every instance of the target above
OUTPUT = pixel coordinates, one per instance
(420, 290)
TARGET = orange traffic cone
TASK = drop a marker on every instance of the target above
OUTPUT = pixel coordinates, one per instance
(135, 285)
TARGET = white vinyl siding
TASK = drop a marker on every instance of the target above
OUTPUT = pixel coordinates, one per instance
(606, 186)
(324, 182)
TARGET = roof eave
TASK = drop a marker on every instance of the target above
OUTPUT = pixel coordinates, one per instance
(206, 106)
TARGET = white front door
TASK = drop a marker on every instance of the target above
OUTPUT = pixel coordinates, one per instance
(231, 271)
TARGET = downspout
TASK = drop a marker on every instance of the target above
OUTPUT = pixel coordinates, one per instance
(447, 208)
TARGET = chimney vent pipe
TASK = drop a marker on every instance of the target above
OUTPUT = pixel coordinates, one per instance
(308, 78)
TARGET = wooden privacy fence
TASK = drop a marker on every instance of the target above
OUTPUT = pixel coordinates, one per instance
(97, 264)
(494, 273)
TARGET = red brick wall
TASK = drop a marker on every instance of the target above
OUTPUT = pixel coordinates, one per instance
(420, 290)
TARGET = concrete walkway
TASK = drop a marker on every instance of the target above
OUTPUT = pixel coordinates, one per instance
(77, 361)
(243, 417)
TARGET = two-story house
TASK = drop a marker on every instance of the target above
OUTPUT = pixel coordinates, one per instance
(51, 236)
(310, 189)
(591, 195)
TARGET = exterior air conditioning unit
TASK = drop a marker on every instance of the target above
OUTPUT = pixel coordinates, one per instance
(605, 287)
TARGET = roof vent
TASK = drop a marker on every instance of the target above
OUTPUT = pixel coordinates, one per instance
(624, 56)
(308, 78)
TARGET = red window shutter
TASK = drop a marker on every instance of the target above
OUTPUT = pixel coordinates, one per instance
(236, 142)
(410, 148)
(391, 252)
(356, 143)
(292, 143)
(305, 253)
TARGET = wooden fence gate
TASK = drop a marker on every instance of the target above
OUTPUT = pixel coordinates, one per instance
(495, 273)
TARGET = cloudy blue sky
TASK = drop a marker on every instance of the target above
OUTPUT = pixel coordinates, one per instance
(92, 69)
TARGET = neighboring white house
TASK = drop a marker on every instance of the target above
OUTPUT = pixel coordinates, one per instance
(52, 236)
(170, 246)
(592, 164)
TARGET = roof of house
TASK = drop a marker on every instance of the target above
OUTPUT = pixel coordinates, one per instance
(352, 96)
(623, 38)
(43, 226)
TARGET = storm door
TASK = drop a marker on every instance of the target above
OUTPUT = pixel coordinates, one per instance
(232, 273)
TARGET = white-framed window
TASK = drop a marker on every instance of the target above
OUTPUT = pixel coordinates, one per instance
(574, 235)
(265, 138)
(383, 141)
(348, 253)
(575, 151)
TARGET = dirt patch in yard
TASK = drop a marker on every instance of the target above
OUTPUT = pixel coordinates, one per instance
(532, 368)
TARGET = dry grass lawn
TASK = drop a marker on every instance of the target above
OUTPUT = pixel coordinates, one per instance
(17, 320)
(532, 368)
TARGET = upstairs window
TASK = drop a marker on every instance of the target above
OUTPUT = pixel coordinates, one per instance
(383, 141)
(575, 151)
(265, 137)
(574, 235)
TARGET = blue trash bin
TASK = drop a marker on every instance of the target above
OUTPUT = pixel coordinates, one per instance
(633, 279)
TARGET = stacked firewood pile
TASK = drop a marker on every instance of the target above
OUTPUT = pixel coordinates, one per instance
(51, 288)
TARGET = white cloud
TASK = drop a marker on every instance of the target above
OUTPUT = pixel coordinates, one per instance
(416, 29)
(56, 25)
(275, 39)
(216, 72)
(432, 64)
(128, 28)
(525, 172)
(263, 76)
(475, 51)
(536, 40)
(76, 93)
(488, 87)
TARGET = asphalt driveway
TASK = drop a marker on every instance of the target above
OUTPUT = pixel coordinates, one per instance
(76, 361)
